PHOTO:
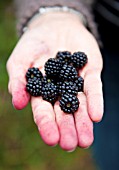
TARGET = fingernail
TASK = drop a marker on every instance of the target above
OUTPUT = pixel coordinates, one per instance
(71, 150)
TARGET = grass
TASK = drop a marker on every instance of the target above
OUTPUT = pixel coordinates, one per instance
(21, 147)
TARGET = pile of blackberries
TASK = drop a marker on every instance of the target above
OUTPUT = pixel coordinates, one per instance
(61, 80)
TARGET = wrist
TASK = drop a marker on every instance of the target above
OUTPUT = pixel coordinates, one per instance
(55, 17)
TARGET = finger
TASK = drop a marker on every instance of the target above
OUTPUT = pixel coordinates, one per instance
(20, 96)
(17, 66)
(44, 118)
(84, 125)
(43, 112)
(93, 91)
(68, 135)
(17, 85)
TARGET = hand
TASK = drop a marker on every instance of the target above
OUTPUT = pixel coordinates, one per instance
(47, 35)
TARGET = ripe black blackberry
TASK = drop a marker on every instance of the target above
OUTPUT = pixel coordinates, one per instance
(49, 92)
(64, 56)
(68, 73)
(69, 103)
(80, 82)
(53, 67)
(34, 87)
(46, 80)
(33, 72)
(79, 59)
(68, 87)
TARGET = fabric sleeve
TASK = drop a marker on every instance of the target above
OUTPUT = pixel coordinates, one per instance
(25, 9)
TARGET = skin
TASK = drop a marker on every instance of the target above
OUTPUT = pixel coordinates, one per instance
(46, 35)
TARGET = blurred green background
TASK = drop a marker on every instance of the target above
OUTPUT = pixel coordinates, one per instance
(21, 147)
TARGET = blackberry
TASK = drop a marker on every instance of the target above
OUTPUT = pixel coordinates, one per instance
(47, 80)
(33, 72)
(68, 87)
(69, 103)
(79, 59)
(64, 56)
(49, 92)
(34, 87)
(68, 73)
(80, 82)
(53, 67)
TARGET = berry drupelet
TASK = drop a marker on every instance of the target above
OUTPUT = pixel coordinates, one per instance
(69, 103)
(68, 87)
(80, 82)
(49, 92)
(64, 56)
(33, 72)
(68, 73)
(34, 87)
(53, 67)
(79, 59)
